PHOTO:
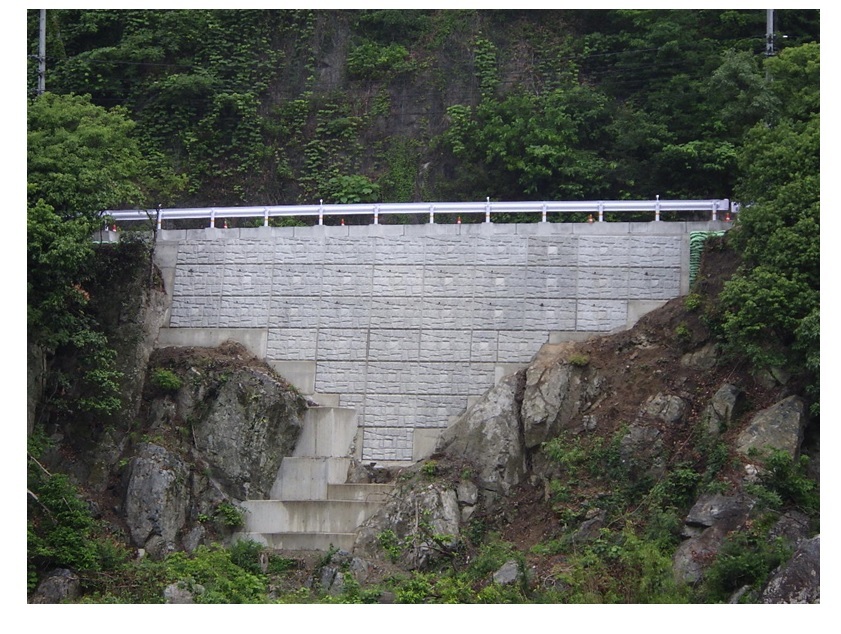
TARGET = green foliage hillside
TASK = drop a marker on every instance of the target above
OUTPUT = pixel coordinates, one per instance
(287, 106)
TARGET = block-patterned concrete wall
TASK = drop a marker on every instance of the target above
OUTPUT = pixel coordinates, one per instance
(407, 323)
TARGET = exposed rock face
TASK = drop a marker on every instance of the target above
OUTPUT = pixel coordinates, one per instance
(777, 427)
(722, 408)
(488, 435)
(707, 524)
(247, 430)
(799, 580)
(156, 496)
(665, 407)
(641, 450)
(703, 359)
(223, 435)
(59, 585)
(556, 393)
(417, 516)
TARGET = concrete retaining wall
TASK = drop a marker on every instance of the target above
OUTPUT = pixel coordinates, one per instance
(408, 323)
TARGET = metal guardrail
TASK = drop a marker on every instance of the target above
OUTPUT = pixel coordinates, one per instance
(596, 209)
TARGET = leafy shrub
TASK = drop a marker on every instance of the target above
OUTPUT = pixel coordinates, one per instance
(579, 360)
(744, 559)
(245, 553)
(787, 478)
(370, 60)
(692, 302)
(229, 515)
(430, 468)
(166, 380)
(351, 189)
(391, 544)
(222, 579)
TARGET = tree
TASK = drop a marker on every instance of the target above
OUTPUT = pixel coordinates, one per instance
(772, 306)
(81, 160)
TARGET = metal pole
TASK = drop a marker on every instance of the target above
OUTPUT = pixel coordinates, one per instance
(42, 53)
(769, 32)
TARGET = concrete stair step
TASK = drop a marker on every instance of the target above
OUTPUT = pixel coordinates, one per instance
(300, 541)
(306, 516)
(362, 492)
(308, 477)
(327, 432)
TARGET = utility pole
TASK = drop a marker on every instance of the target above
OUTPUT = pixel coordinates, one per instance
(42, 53)
(769, 32)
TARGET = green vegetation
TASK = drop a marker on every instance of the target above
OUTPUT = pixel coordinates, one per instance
(166, 380)
(427, 105)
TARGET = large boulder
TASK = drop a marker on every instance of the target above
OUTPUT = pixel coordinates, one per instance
(779, 427)
(247, 428)
(488, 436)
(59, 586)
(559, 387)
(708, 522)
(724, 406)
(156, 498)
(417, 526)
(799, 579)
(664, 407)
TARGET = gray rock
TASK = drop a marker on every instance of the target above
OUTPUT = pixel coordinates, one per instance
(59, 586)
(417, 516)
(178, 593)
(193, 538)
(799, 580)
(702, 359)
(769, 378)
(467, 492)
(792, 528)
(715, 508)
(508, 575)
(708, 522)
(251, 424)
(590, 527)
(719, 413)
(777, 427)
(488, 435)
(641, 450)
(556, 393)
(156, 495)
(665, 407)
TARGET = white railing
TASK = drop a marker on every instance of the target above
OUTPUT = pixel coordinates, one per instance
(596, 209)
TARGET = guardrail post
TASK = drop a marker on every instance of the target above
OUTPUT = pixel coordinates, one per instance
(543, 213)
(265, 216)
(158, 219)
(431, 214)
(320, 211)
(488, 209)
(212, 218)
(715, 210)
(657, 208)
(601, 211)
(376, 214)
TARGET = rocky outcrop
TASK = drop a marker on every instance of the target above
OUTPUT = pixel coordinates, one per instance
(59, 586)
(799, 580)
(419, 525)
(157, 496)
(724, 406)
(559, 387)
(489, 436)
(779, 427)
(706, 525)
(216, 435)
(247, 429)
